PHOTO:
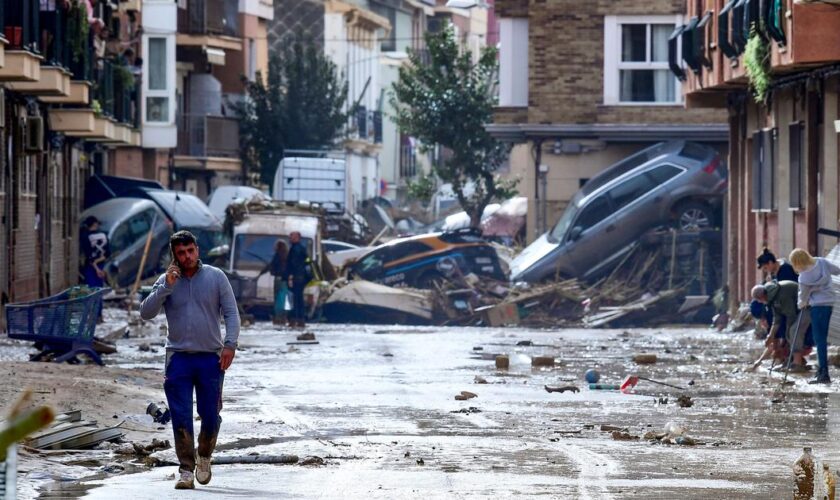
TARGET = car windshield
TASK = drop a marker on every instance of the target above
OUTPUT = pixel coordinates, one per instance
(253, 251)
(564, 224)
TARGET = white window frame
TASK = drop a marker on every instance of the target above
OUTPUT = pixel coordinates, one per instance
(169, 91)
(613, 63)
(513, 62)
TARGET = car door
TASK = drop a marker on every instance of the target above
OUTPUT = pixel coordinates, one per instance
(637, 208)
(590, 240)
(120, 252)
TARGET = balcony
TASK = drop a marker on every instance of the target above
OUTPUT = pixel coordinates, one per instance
(208, 136)
(366, 125)
(20, 20)
(712, 43)
(210, 23)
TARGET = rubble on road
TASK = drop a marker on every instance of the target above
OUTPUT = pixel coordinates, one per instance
(657, 280)
(70, 432)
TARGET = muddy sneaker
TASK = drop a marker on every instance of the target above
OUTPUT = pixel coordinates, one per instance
(795, 368)
(185, 482)
(202, 470)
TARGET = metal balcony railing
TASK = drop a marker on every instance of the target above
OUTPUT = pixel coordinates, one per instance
(21, 23)
(208, 136)
(366, 125)
(210, 17)
(408, 161)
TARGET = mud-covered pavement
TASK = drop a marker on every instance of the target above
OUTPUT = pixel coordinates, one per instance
(377, 403)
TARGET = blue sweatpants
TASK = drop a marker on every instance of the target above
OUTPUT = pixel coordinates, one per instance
(200, 372)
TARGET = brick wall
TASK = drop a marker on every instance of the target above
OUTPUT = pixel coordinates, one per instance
(566, 55)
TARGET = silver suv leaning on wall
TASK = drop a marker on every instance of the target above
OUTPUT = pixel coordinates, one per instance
(677, 182)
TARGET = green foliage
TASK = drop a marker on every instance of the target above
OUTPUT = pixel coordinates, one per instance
(96, 106)
(448, 101)
(298, 105)
(124, 75)
(422, 188)
(757, 65)
(77, 29)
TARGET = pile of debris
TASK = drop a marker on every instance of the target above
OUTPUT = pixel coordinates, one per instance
(70, 432)
(660, 278)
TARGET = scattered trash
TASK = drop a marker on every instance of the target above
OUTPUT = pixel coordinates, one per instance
(524, 343)
(160, 413)
(592, 376)
(312, 460)
(644, 359)
(306, 336)
(502, 362)
(604, 387)
(685, 401)
(68, 433)
(632, 380)
(465, 395)
(564, 388)
(612, 428)
(803, 475)
(480, 380)
(420, 461)
(467, 411)
(155, 445)
(542, 361)
(623, 436)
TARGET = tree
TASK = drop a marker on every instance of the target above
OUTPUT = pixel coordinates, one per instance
(300, 105)
(448, 101)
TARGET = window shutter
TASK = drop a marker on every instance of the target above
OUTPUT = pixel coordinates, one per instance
(796, 133)
(757, 137)
(673, 61)
(689, 51)
(768, 194)
(723, 31)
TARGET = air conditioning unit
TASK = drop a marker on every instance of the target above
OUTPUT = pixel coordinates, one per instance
(34, 137)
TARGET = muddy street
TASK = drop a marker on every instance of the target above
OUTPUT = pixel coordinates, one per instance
(378, 405)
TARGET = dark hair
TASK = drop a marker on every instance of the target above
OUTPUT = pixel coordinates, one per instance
(90, 220)
(766, 257)
(181, 238)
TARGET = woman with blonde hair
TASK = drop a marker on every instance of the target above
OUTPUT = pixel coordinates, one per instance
(816, 292)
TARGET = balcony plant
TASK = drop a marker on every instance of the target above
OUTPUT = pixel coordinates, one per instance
(757, 65)
(78, 29)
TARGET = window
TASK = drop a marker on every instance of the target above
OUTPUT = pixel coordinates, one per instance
(513, 62)
(596, 211)
(157, 99)
(139, 225)
(252, 59)
(630, 190)
(121, 239)
(664, 173)
(797, 161)
(763, 168)
(636, 66)
(371, 266)
(411, 248)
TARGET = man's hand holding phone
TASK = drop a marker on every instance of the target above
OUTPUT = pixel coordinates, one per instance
(173, 272)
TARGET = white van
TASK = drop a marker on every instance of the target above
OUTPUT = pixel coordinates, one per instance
(252, 245)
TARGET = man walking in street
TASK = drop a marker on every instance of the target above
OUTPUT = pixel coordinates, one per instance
(298, 273)
(193, 295)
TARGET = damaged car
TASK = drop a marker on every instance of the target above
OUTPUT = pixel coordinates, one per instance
(675, 183)
(421, 261)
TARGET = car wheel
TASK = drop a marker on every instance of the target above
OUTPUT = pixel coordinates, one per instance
(694, 216)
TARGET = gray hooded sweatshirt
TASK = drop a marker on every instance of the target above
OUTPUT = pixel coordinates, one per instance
(815, 287)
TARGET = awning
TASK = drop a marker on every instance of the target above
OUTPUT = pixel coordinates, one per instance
(689, 45)
(729, 50)
(673, 59)
(522, 132)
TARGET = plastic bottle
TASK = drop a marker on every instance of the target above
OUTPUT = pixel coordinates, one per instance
(803, 474)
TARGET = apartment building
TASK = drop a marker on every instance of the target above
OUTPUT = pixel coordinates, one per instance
(581, 90)
(218, 43)
(66, 103)
(783, 159)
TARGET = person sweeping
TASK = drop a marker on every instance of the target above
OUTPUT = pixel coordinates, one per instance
(817, 293)
(194, 296)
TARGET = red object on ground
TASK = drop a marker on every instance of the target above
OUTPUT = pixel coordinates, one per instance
(629, 383)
